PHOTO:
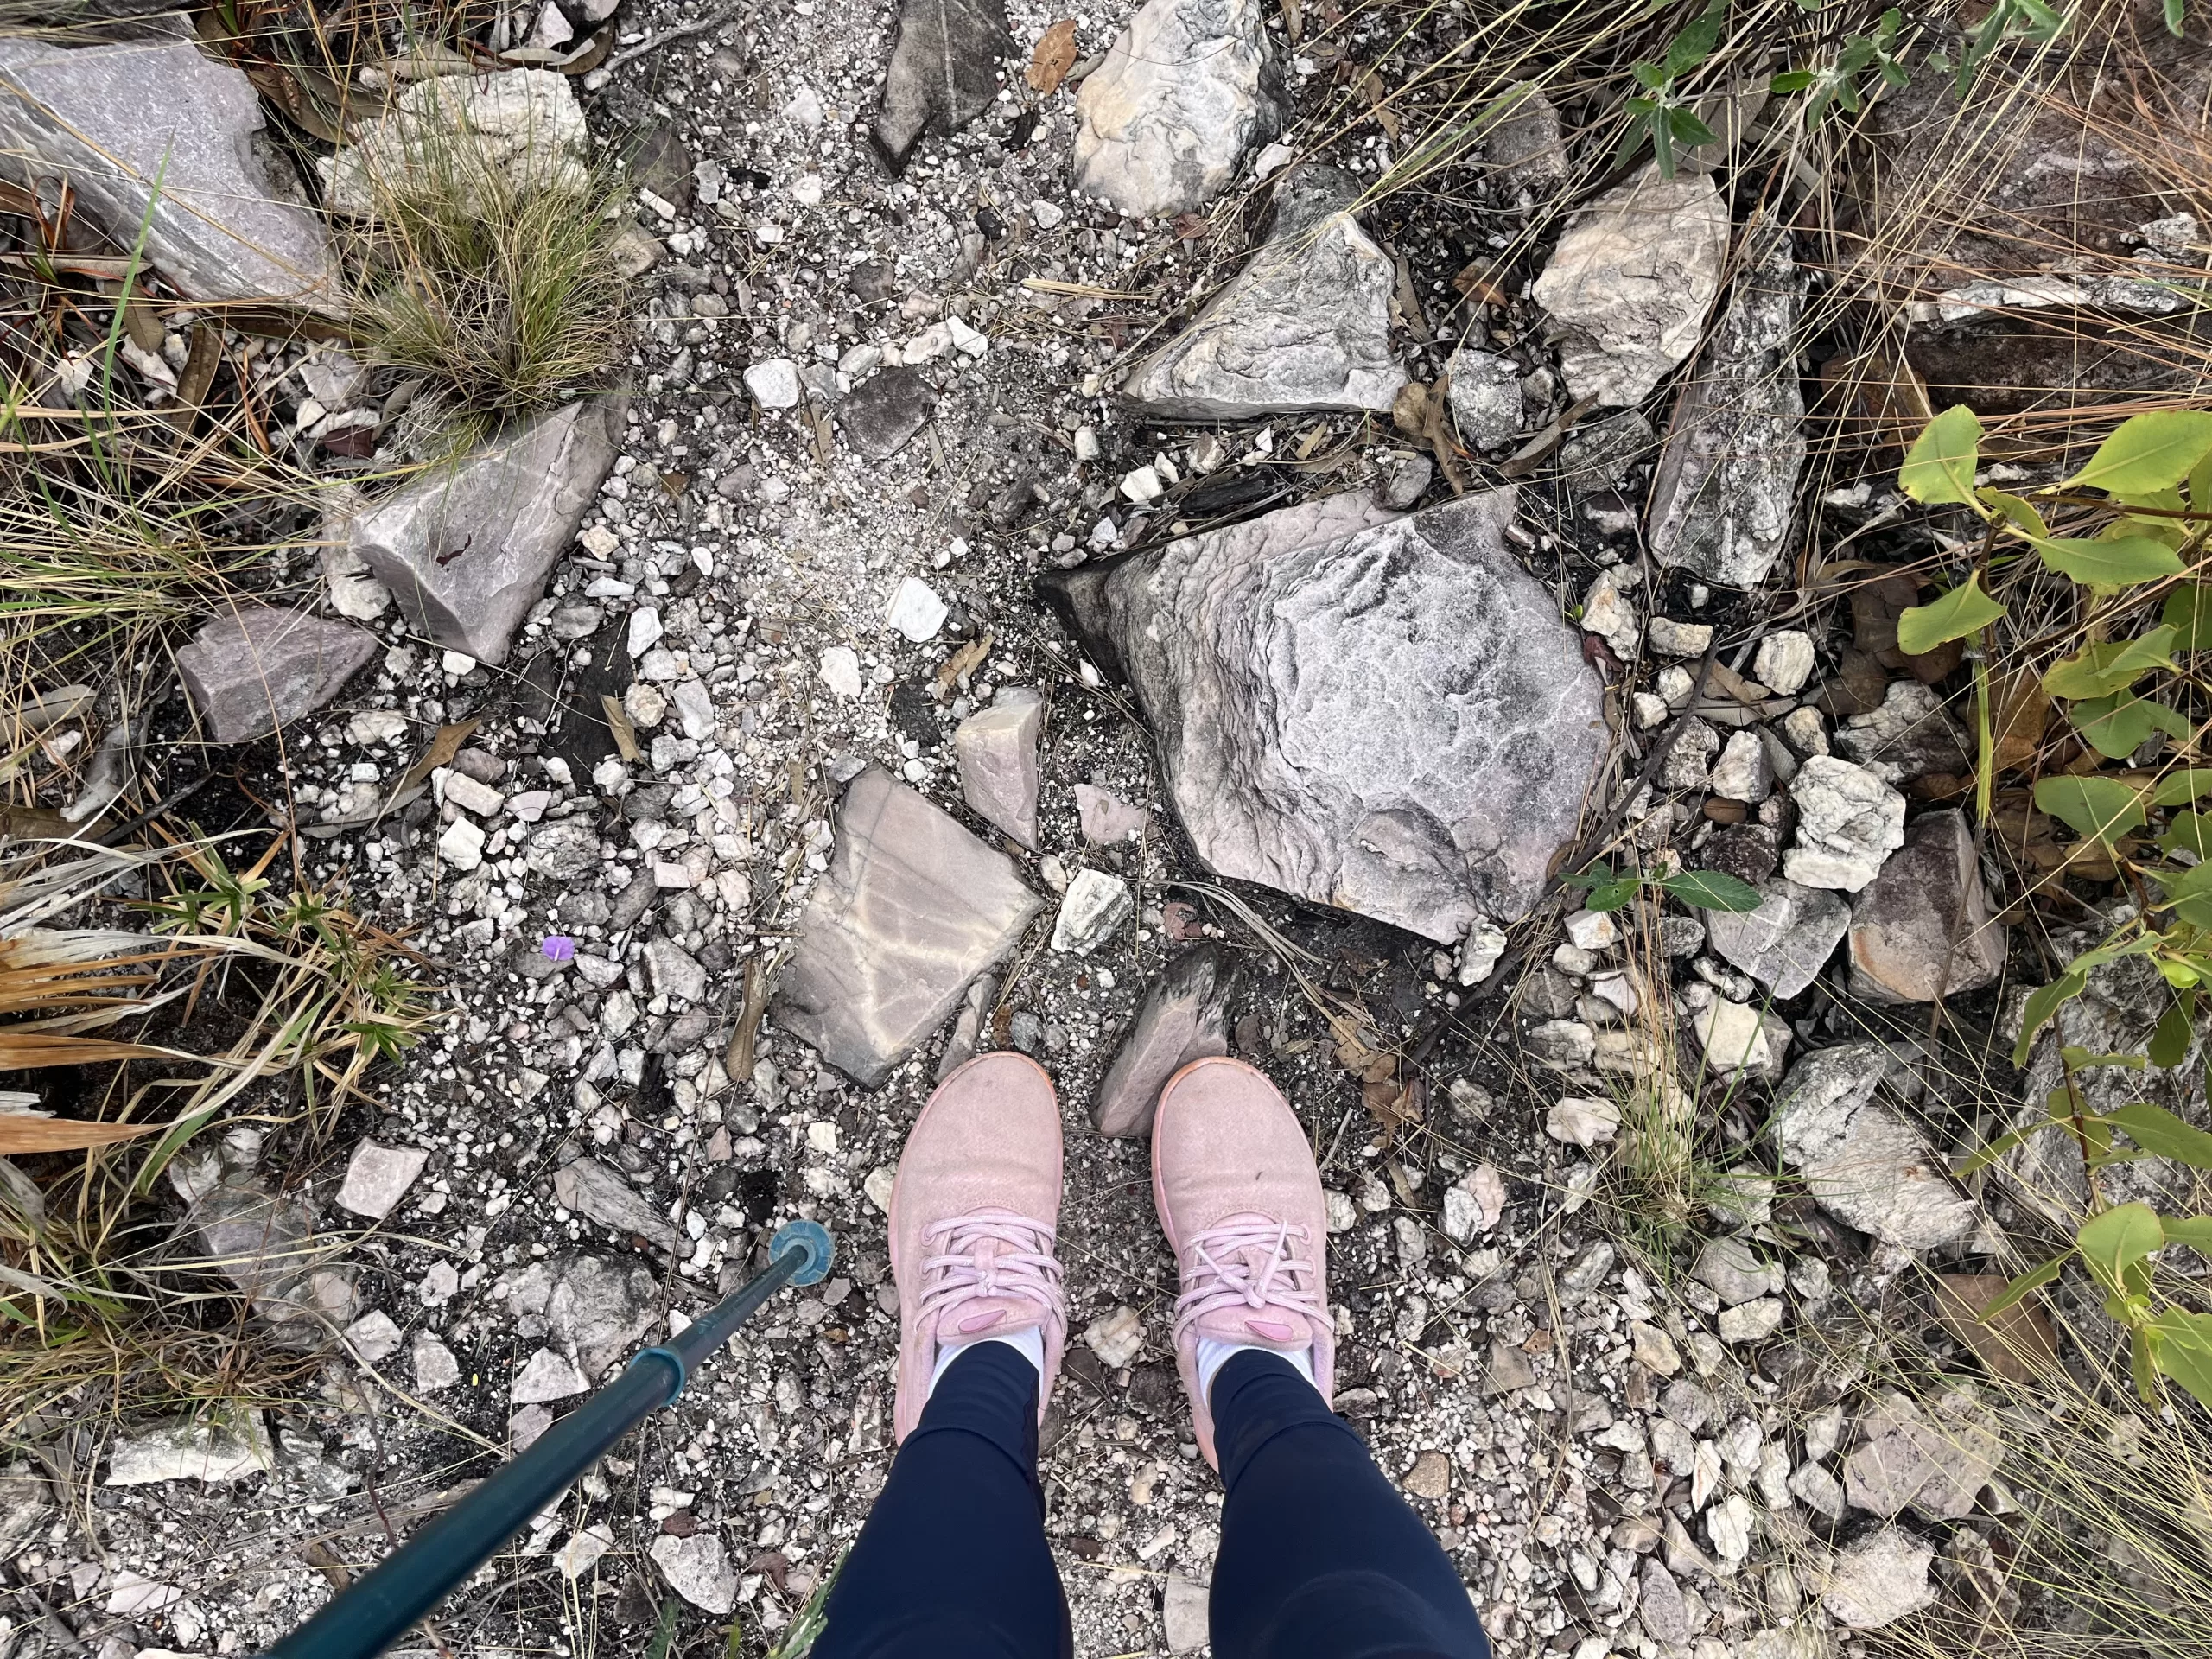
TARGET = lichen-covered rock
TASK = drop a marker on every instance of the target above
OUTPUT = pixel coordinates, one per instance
(1848, 822)
(1188, 91)
(1383, 714)
(1305, 325)
(1630, 281)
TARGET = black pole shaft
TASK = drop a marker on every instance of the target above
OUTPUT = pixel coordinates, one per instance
(375, 1612)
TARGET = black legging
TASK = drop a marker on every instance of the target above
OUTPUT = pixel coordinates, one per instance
(1321, 1558)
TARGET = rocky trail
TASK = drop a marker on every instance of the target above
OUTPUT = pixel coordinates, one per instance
(1086, 548)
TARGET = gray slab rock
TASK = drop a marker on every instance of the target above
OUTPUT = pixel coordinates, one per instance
(1923, 928)
(1910, 735)
(1485, 398)
(256, 668)
(1184, 1017)
(943, 71)
(378, 1176)
(597, 1306)
(1878, 1580)
(996, 749)
(1848, 822)
(881, 415)
(1382, 713)
(229, 221)
(466, 549)
(1188, 91)
(216, 1453)
(1665, 1615)
(910, 909)
(590, 1189)
(1184, 1617)
(697, 1568)
(1786, 941)
(524, 127)
(1936, 1462)
(264, 1243)
(1628, 286)
(1861, 1160)
(1305, 325)
(1725, 494)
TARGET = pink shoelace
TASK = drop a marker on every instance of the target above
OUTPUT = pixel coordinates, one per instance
(989, 1253)
(1248, 1261)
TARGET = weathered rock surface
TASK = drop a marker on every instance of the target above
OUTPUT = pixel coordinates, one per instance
(523, 126)
(1786, 941)
(996, 749)
(592, 1191)
(1848, 822)
(466, 549)
(1630, 281)
(1188, 91)
(1725, 492)
(1092, 912)
(1106, 818)
(1485, 398)
(1305, 325)
(1523, 143)
(1910, 735)
(1382, 713)
(596, 1304)
(1936, 1463)
(1184, 1617)
(216, 1453)
(263, 1243)
(1861, 1160)
(257, 668)
(910, 909)
(697, 1568)
(943, 71)
(229, 221)
(1922, 929)
(1184, 1017)
(1878, 1580)
(881, 415)
(378, 1176)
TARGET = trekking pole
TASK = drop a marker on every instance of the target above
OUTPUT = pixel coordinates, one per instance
(375, 1612)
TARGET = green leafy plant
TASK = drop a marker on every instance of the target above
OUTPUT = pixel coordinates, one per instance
(1841, 83)
(1610, 889)
(2029, 21)
(1659, 115)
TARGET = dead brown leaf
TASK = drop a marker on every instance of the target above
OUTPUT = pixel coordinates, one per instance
(1054, 56)
(2020, 716)
(1482, 282)
(21, 1133)
(446, 745)
(618, 721)
(2016, 1344)
(963, 663)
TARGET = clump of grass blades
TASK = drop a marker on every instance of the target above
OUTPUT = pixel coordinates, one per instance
(500, 285)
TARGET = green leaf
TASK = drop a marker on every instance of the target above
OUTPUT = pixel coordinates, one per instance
(2014, 511)
(2003, 1144)
(2189, 614)
(1711, 890)
(2148, 452)
(2142, 1358)
(2176, 16)
(2100, 670)
(2185, 1349)
(2186, 784)
(1939, 468)
(2103, 809)
(2042, 1003)
(1965, 610)
(2116, 1240)
(2120, 563)
(2116, 726)
(1790, 80)
(2170, 1042)
(2190, 832)
(2199, 485)
(1696, 43)
(1611, 895)
(2196, 1232)
(1686, 129)
(2159, 1133)
(2022, 1287)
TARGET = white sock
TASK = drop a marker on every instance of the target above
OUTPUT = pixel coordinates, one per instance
(1213, 1354)
(1029, 1340)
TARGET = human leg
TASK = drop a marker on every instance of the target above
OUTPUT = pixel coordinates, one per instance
(953, 1560)
(1321, 1558)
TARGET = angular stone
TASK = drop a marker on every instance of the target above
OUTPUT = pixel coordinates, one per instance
(1911, 735)
(1749, 852)
(1184, 1017)
(466, 549)
(1878, 1580)
(1106, 818)
(674, 972)
(597, 1305)
(1735, 1037)
(943, 71)
(1189, 90)
(1116, 1336)
(910, 909)
(1091, 912)
(588, 1188)
(775, 382)
(1726, 491)
(522, 126)
(1861, 1161)
(1509, 1368)
(378, 1176)
(1185, 1621)
(1523, 141)
(1922, 929)
(546, 1376)
(1631, 281)
(996, 748)
(215, 1453)
(697, 1568)
(881, 415)
(1385, 716)
(1485, 398)
(260, 1243)
(1752, 1321)
(1786, 941)
(1734, 1271)
(1743, 772)
(1581, 1121)
(1818, 1490)
(1848, 822)
(1305, 325)
(1785, 661)
(433, 1363)
(255, 668)
(228, 220)
(1473, 1203)
(1666, 1616)
(1937, 1464)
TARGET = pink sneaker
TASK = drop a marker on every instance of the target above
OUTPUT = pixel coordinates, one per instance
(972, 1219)
(1239, 1196)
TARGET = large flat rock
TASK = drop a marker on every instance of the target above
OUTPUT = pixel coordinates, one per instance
(466, 548)
(257, 668)
(1862, 1160)
(1381, 712)
(155, 132)
(910, 909)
